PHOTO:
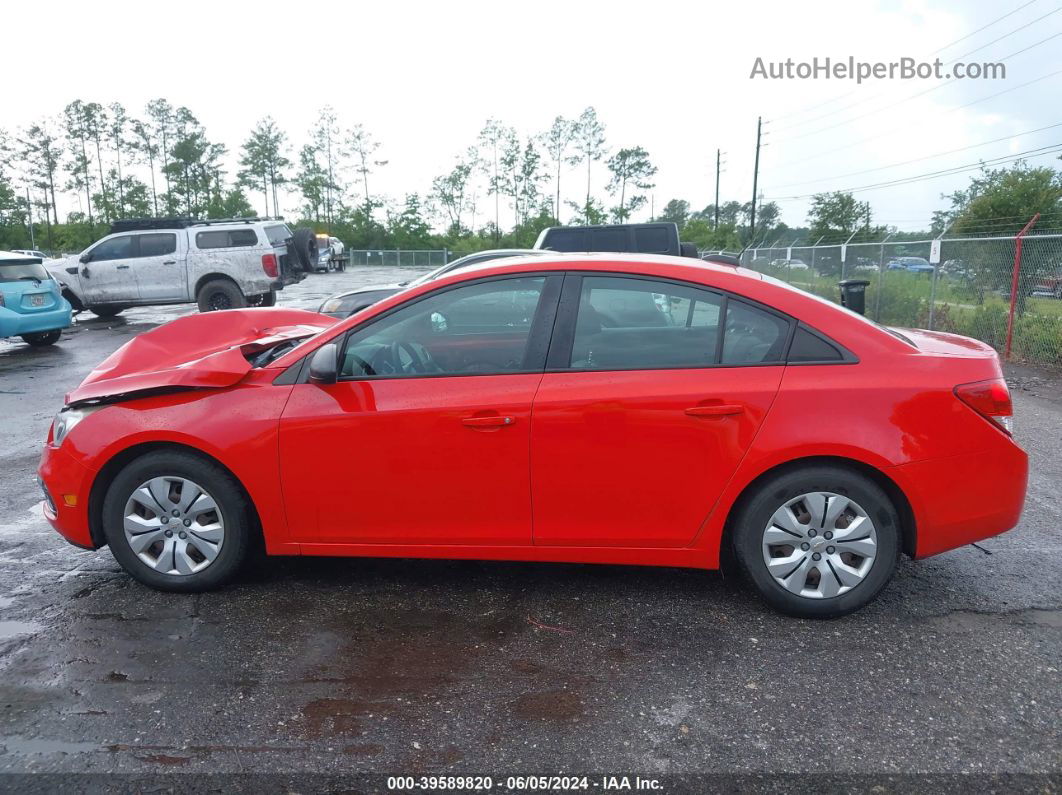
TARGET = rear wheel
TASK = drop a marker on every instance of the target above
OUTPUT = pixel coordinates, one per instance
(42, 338)
(220, 294)
(106, 310)
(177, 522)
(265, 299)
(818, 542)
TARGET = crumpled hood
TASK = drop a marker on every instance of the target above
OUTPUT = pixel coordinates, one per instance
(195, 352)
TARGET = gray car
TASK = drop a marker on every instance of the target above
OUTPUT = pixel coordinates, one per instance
(346, 304)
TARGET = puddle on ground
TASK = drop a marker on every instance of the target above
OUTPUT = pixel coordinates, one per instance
(11, 629)
(6, 601)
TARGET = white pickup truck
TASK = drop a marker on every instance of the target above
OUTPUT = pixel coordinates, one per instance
(216, 264)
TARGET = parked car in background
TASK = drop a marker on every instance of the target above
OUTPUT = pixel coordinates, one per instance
(912, 264)
(812, 444)
(658, 237)
(217, 264)
(330, 255)
(31, 301)
(346, 304)
(1050, 284)
(31, 253)
(791, 264)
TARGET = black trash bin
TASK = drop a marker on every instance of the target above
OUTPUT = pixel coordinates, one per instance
(854, 294)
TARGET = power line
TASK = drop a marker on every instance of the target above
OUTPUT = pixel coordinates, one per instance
(1040, 152)
(835, 149)
(920, 159)
(916, 94)
(856, 90)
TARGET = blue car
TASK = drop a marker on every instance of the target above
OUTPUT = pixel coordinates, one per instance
(912, 264)
(31, 301)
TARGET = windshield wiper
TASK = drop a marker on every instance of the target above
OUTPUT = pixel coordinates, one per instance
(30, 278)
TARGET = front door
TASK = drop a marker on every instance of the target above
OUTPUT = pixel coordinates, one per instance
(108, 277)
(651, 403)
(424, 439)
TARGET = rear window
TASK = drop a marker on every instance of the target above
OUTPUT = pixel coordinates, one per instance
(158, 245)
(17, 271)
(277, 234)
(226, 238)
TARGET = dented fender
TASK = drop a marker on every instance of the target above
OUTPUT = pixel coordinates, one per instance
(204, 351)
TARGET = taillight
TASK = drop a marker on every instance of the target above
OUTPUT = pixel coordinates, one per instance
(990, 399)
(269, 265)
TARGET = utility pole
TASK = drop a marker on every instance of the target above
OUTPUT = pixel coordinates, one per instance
(717, 161)
(755, 178)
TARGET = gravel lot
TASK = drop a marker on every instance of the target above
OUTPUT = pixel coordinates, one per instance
(414, 667)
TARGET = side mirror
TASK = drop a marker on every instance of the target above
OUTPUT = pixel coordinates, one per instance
(85, 258)
(324, 368)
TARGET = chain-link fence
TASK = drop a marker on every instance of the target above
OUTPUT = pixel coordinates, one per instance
(969, 291)
(398, 258)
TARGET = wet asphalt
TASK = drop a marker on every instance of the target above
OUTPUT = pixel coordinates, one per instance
(419, 667)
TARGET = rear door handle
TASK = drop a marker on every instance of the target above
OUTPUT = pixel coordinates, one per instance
(719, 410)
(121, 267)
(169, 262)
(488, 422)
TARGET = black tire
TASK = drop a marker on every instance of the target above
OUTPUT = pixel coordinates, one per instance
(224, 489)
(42, 338)
(220, 294)
(265, 299)
(106, 310)
(303, 249)
(754, 516)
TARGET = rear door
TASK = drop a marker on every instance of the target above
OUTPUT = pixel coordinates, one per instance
(160, 266)
(653, 393)
(108, 277)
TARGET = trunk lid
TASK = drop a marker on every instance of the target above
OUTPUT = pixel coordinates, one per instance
(939, 343)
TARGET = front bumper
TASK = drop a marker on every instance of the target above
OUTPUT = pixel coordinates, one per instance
(66, 484)
(14, 324)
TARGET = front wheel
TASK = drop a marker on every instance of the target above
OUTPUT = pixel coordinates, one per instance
(105, 310)
(177, 522)
(42, 338)
(818, 542)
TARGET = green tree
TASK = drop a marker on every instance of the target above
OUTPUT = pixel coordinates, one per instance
(1003, 200)
(408, 229)
(117, 131)
(363, 146)
(312, 182)
(326, 139)
(162, 114)
(677, 211)
(496, 138)
(631, 171)
(263, 161)
(40, 152)
(76, 128)
(590, 146)
(836, 216)
(558, 140)
(450, 191)
(146, 147)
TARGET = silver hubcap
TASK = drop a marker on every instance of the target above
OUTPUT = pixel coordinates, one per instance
(820, 545)
(174, 526)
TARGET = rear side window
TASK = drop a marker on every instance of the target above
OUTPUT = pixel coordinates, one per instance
(158, 245)
(651, 241)
(753, 336)
(277, 234)
(226, 238)
(609, 240)
(642, 324)
(808, 347)
(566, 240)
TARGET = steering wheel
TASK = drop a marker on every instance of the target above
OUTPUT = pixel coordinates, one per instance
(420, 360)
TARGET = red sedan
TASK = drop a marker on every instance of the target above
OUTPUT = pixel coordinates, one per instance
(601, 409)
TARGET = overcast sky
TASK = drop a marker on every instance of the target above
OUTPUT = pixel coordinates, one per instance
(671, 77)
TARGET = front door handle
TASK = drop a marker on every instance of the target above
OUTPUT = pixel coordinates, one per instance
(493, 421)
(169, 262)
(121, 267)
(718, 410)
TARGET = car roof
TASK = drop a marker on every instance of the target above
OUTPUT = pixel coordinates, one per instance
(647, 264)
(10, 257)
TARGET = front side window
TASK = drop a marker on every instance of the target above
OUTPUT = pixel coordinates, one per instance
(158, 245)
(635, 324)
(121, 247)
(476, 329)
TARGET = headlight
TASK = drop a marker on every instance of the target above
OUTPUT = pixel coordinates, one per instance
(332, 305)
(65, 421)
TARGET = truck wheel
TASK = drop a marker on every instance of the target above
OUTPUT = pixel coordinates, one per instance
(220, 294)
(106, 310)
(42, 338)
(265, 299)
(304, 245)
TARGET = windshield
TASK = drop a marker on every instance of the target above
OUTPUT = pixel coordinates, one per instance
(17, 271)
(278, 234)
